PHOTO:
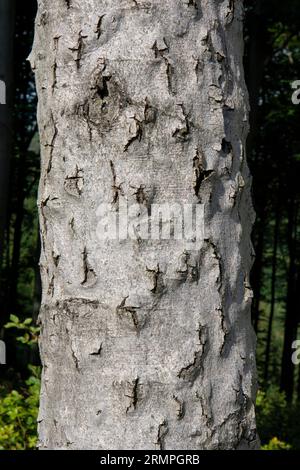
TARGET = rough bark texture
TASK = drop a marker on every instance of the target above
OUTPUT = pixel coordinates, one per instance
(145, 345)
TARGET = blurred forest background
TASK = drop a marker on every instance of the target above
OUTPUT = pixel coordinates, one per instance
(272, 63)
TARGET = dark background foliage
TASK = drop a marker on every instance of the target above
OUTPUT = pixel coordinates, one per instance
(272, 63)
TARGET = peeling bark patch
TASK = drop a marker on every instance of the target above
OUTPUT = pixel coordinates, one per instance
(97, 352)
(181, 134)
(137, 135)
(162, 432)
(217, 256)
(200, 175)
(193, 370)
(89, 275)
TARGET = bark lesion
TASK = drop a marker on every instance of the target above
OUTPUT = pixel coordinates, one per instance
(216, 255)
(135, 389)
(157, 279)
(51, 145)
(180, 408)
(97, 352)
(137, 134)
(98, 29)
(181, 134)
(117, 188)
(224, 329)
(192, 371)
(189, 269)
(161, 48)
(89, 275)
(200, 173)
(139, 123)
(163, 430)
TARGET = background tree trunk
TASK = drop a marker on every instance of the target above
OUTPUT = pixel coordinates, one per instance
(145, 344)
(7, 11)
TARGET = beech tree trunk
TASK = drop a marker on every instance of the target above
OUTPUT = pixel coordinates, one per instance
(145, 344)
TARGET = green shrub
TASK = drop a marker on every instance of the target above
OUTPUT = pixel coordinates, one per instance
(18, 415)
(278, 422)
(19, 407)
(271, 414)
(276, 444)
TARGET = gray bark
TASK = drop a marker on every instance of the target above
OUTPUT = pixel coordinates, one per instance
(145, 344)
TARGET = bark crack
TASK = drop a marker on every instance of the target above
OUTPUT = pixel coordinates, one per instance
(89, 275)
(162, 432)
(134, 396)
(129, 310)
(200, 174)
(193, 370)
(180, 408)
(98, 29)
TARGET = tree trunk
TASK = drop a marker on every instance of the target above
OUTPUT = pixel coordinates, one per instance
(273, 291)
(257, 270)
(291, 316)
(6, 76)
(145, 344)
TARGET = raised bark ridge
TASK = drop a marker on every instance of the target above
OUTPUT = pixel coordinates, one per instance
(145, 345)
